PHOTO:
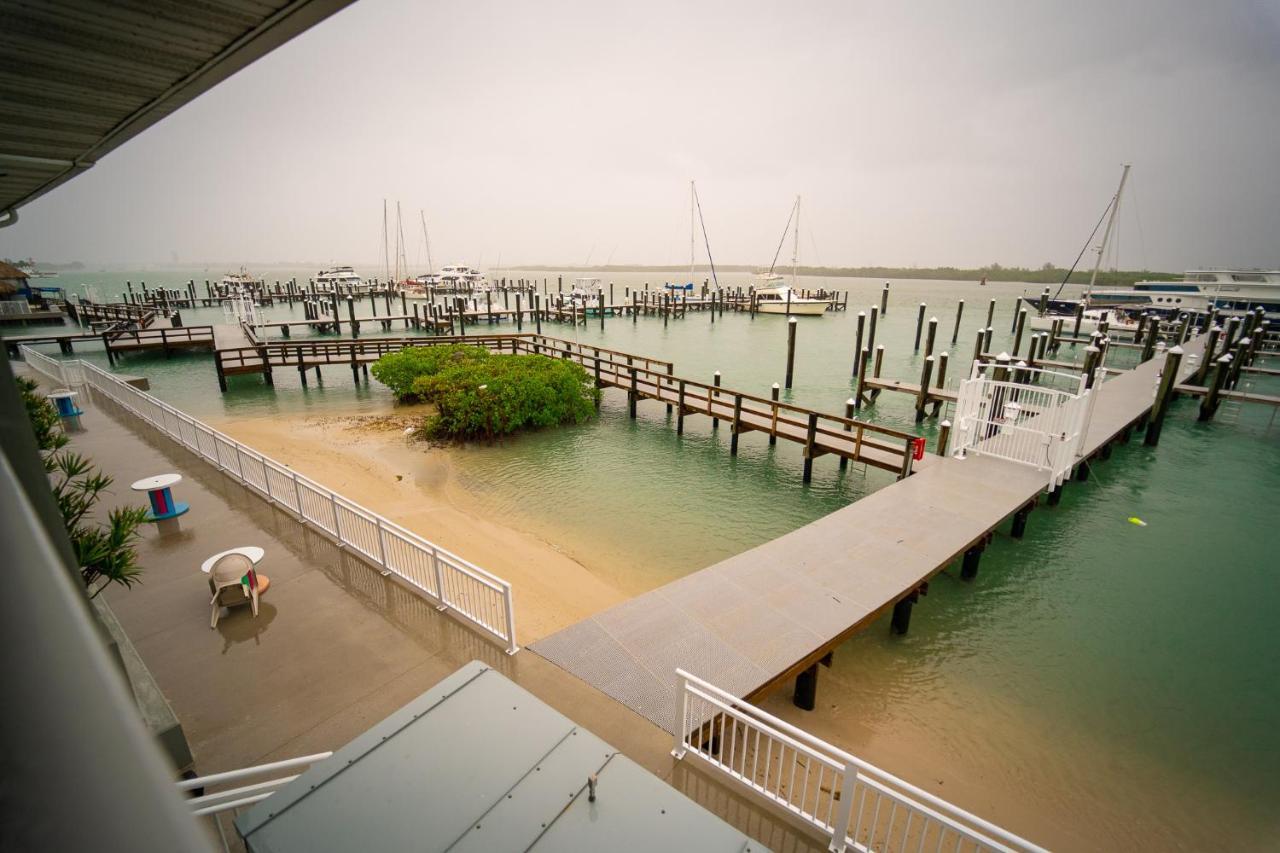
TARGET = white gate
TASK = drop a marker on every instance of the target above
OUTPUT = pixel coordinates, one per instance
(1027, 415)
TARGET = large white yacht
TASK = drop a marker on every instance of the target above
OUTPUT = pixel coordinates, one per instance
(461, 279)
(1201, 290)
(342, 277)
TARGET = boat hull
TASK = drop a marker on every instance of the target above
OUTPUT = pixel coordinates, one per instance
(804, 308)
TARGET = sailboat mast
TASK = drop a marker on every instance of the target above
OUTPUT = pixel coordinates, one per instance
(795, 249)
(1106, 235)
(427, 240)
(386, 250)
(402, 260)
(693, 195)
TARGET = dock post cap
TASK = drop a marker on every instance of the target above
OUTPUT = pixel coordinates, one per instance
(879, 346)
(862, 313)
(1244, 342)
(1225, 358)
(1004, 356)
(943, 353)
(717, 373)
(945, 423)
(792, 320)
(932, 319)
(928, 358)
(1176, 350)
(1020, 363)
(775, 385)
(1092, 348)
(849, 402)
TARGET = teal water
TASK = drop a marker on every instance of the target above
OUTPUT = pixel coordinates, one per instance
(1100, 685)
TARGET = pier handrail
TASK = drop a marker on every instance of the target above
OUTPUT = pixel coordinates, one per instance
(847, 799)
(69, 373)
(478, 597)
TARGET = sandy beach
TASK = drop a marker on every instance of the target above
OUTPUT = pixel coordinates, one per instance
(371, 460)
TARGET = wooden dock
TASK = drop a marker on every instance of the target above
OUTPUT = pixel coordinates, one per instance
(641, 377)
(760, 618)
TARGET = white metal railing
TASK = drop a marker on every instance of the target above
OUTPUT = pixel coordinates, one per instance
(14, 307)
(479, 597)
(211, 804)
(1019, 416)
(857, 805)
(69, 373)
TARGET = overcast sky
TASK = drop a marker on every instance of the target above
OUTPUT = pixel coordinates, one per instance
(917, 134)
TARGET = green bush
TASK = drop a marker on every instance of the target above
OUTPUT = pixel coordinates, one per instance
(479, 394)
(399, 370)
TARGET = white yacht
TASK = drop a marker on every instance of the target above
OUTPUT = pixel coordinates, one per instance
(240, 280)
(1201, 290)
(586, 290)
(459, 278)
(343, 278)
(779, 298)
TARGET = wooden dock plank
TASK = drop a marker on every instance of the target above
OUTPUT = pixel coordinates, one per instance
(753, 620)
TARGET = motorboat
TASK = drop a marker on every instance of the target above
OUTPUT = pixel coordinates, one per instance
(782, 299)
(339, 278)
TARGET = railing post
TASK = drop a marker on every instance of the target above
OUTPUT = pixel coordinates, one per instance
(337, 525)
(439, 575)
(297, 494)
(510, 607)
(848, 781)
(382, 548)
(680, 720)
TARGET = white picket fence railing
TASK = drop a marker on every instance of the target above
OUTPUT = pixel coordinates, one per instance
(1023, 417)
(69, 373)
(478, 597)
(855, 804)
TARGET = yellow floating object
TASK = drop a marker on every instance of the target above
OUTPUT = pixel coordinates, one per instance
(1137, 521)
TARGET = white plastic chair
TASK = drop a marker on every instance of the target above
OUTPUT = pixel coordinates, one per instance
(227, 588)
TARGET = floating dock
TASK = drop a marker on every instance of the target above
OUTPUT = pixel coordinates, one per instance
(760, 618)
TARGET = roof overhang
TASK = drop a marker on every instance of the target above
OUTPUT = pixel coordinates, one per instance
(78, 78)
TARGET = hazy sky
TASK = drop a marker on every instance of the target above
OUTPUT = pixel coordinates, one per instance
(918, 134)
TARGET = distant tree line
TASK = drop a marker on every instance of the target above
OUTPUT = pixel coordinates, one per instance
(1045, 274)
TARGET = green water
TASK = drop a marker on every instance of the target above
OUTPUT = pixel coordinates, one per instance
(1100, 685)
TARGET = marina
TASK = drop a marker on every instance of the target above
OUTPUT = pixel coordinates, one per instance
(941, 522)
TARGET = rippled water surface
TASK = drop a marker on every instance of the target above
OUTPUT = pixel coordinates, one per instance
(1101, 684)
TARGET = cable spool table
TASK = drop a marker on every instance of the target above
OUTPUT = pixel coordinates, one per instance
(64, 401)
(164, 509)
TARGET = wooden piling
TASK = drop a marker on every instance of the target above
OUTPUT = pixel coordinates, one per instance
(791, 350)
(930, 335)
(919, 327)
(944, 434)
(857, 345)
(922, 396)
(736, 426)
(1164, 395)
(773, 431)
(712, 396)
(858, 395)
(1209, 402)
(955, 332)
(810, 439)
(884, 301)
(1019, 327)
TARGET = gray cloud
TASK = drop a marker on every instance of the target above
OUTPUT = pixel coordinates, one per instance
(918, 134)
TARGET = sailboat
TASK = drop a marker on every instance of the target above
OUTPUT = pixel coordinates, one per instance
(1116, 317)
(773, 294)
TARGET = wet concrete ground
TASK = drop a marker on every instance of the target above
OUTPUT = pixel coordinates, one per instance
(335, 648)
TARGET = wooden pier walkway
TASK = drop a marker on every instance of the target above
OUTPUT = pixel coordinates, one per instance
(760, 618)
(641, 377)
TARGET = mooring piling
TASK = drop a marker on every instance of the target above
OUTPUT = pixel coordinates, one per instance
(919, 326)
(1164, 395)
(791, 350)
(857, 340)
(955, 332)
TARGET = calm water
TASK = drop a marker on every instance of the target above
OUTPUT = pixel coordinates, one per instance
(1100, 685)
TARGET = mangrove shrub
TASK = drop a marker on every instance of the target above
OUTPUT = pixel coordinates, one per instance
(479, 394)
